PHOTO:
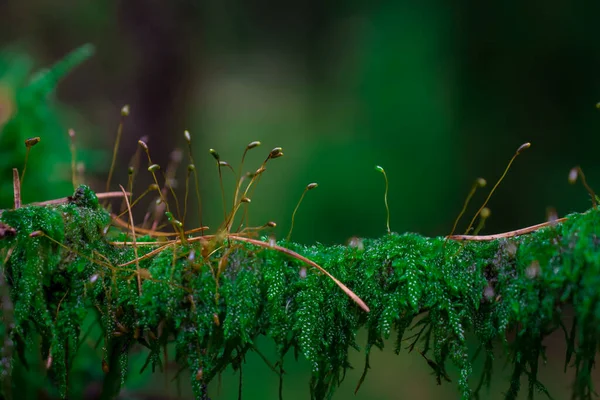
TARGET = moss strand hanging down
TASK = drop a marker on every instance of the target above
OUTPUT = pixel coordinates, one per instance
(59, 263)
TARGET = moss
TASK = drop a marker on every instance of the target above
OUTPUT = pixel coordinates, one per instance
(215, 307)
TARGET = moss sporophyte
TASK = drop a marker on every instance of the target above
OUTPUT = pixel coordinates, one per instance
(209, 294)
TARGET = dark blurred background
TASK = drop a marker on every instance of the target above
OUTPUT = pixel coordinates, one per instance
(437, 94)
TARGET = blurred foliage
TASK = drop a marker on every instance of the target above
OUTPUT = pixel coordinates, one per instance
(26, 112)
(437, 94)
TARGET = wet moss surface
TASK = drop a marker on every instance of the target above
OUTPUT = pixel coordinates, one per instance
(213, 299)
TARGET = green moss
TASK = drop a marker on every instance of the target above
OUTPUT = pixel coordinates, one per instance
(449, 288)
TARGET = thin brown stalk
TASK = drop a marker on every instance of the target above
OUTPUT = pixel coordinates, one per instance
(305, 260)
(123, 224)
(135, 252)
(518, 232)
(16, 188)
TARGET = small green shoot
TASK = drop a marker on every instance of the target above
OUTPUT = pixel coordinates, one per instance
(124, 114)
(479, 183)
(483, 216)
(308, 187)
(524, 146)
(578, 172)
(192, 169)
(29, 143)
(385, 196)
(73, 149)
(132, 170)
(240, 179)
(217, 158)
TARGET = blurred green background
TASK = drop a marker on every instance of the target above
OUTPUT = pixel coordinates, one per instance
(437, 94)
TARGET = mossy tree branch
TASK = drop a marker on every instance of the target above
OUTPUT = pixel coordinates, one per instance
(213, 299)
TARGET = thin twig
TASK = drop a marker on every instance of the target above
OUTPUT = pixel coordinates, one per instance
(305, 260)
(518, 232)
(143, 231)
(135, 252)
(64, 200)
(16, 188)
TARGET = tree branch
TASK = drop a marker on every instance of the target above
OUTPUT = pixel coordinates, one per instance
(213, 297)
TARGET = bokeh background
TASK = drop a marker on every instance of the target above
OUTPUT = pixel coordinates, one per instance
(437, 93)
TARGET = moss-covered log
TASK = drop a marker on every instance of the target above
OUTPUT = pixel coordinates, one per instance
(213, 298)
